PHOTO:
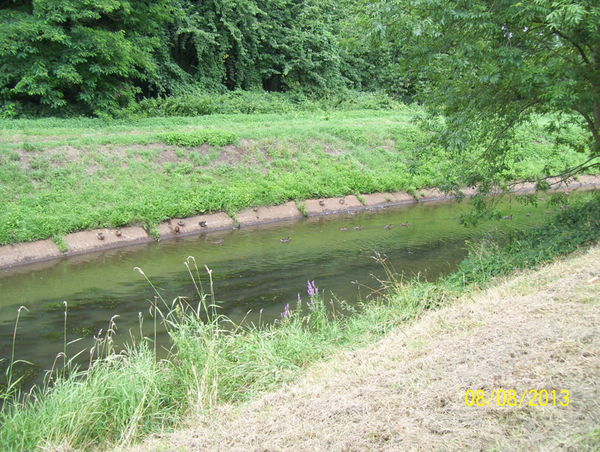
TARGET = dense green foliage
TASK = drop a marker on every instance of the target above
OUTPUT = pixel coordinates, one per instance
(100, 57)
(571, 228)
(193, 139)
(59, 56)
(254, 102)
(62, 176)
(483, 68)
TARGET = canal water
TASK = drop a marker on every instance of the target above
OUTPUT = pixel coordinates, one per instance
(255, 274)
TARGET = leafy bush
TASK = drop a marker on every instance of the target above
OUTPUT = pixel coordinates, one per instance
(197, 138)
(184, 105)
(575, 226)
(260, 102)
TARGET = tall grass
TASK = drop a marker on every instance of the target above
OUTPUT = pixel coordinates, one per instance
(248, 102)
(124, 395)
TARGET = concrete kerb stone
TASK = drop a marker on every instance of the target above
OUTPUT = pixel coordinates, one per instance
(332, 205)
(257, 215)
(588, 181)
(582, 181)
(525, 187)
(194, 225)
(431, 194)
(100, 239)
(25, 253)
(388, 199)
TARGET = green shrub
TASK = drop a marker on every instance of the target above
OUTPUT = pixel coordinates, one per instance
(260, 102)
(198, 138)
(571, 228)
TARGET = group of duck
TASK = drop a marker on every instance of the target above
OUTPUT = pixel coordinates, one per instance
(547, 212)
(100, 235)
(202, 224)
(181, 223)
(176, 229)
(405, 225)
(356, 228)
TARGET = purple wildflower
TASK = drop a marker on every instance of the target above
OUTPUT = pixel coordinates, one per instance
(312, 290)
(286, 313)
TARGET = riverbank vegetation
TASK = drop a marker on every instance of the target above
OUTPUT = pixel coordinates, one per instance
(289, 90)
(124, 396)
(64, 175)
(111, 59)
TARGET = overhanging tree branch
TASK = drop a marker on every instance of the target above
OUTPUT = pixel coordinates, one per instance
(574, 44)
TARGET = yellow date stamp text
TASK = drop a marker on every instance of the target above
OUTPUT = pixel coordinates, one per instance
(528, 397)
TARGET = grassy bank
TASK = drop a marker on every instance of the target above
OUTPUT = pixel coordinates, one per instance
(61, 176)
(124, 396)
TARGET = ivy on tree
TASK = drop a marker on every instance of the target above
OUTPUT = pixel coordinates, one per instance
(97, 57)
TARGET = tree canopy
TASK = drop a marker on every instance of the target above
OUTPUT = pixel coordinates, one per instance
(484, 68)
(95, 57)
(61, 53)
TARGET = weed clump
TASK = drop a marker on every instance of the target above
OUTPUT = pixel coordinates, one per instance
(571, 228)
(255, 102)
(198, 138)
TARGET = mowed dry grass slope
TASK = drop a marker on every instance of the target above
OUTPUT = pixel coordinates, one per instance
(537, 331)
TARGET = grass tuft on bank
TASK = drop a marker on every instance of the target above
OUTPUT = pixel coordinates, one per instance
(126, 395)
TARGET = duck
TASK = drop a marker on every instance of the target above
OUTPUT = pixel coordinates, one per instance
(100, 236)
(321, 203)
(404, 225)
(508, 217)
(180, 223)
(285, 240)
(388, 226)
(528, 214)
(218, 242)
(344, 229)
(118, 233)
(176, 229)
(202, 224)
(357, 228)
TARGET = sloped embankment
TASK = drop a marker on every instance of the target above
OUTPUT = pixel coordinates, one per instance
(534, 332)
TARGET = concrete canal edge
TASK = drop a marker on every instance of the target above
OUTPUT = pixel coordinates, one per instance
(103, 239)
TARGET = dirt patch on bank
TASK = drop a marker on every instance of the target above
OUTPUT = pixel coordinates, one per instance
(539, 331)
